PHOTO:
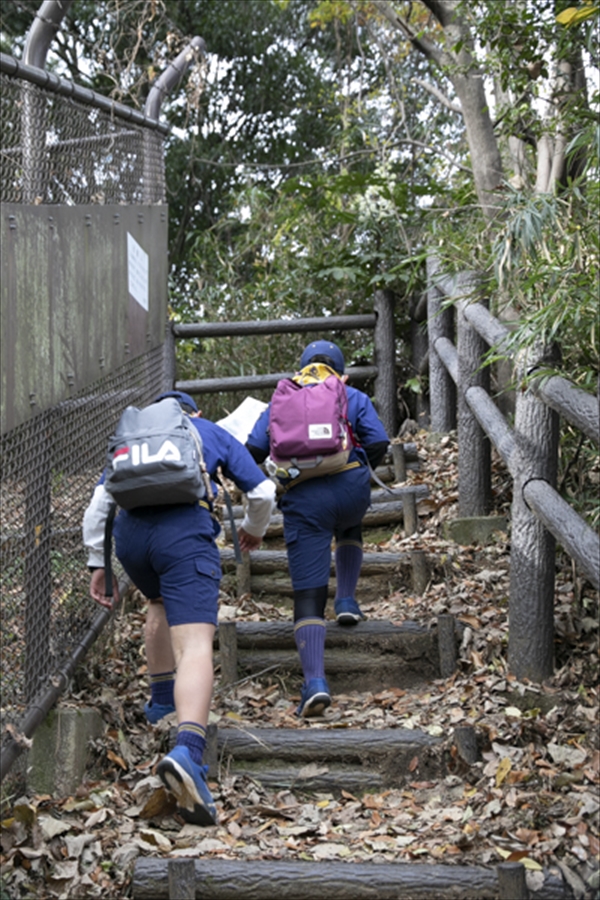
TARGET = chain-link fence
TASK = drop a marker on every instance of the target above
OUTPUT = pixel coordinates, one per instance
(61, 144)
(49, 468)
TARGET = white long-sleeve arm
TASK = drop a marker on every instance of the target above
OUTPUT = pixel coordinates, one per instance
(94, 520)
(261, 501)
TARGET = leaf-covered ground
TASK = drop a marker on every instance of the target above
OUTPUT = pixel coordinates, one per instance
(534, 796)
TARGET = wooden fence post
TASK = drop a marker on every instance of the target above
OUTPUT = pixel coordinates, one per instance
(474, 451)
(228, 652)
(447, 650)
(442, 391)
(420, 354)
(409, 513)
(532, 557)
(465, 739)
(399, 461)
(384, 339)
(243, 575)
(181, 875)
(512, 884)
(420, 571)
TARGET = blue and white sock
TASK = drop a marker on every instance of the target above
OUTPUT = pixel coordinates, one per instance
(162, 686)
(193, 736)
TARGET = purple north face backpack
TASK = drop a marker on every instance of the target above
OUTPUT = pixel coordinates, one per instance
(308, 430)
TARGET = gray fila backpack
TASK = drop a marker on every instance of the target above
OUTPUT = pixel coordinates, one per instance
(155, 458)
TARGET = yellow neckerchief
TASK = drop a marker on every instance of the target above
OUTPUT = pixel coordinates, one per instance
(314, 373)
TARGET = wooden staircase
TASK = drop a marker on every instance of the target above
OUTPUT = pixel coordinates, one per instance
(316, 756)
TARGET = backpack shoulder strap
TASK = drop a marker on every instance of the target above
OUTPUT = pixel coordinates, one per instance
(205, 475)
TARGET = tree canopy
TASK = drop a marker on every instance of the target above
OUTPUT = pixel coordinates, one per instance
(322, 149)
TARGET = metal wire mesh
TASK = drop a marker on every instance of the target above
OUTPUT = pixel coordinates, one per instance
(48, 471)
(56, 149)
(61, 144)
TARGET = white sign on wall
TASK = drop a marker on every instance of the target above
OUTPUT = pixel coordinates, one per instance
(137, 271)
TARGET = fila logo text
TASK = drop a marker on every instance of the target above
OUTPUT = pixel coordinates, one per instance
(140, 454)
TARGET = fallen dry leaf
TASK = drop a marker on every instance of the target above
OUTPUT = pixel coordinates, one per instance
(506, 806)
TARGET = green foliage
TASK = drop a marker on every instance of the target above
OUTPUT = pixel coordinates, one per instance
(310, 248)
(539, 257)
(546, 259)
(308, 167)
(579, 475)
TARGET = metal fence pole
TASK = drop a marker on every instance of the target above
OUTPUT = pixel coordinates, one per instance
(154, 172)
(33, 114)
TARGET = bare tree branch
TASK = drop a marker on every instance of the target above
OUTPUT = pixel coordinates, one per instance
(438, 151)
(443, 10)
(427, 47)
(445, 101)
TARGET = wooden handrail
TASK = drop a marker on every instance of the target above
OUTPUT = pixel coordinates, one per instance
(274, 326)
(540, 516)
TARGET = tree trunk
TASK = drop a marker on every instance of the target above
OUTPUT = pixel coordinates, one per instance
(467, 80)
(483, 146)
(385, 349)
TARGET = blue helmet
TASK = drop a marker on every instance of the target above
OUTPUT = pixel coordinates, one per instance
(324, 351)
(186, 402)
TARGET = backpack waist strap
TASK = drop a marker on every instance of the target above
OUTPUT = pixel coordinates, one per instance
(351, 465)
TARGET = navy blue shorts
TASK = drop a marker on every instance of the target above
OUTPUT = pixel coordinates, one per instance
(313, 513)
(170, 552)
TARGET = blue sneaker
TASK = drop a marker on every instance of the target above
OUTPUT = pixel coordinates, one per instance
(347, 611)
(187, 781)
(314, 699)
(156, 711)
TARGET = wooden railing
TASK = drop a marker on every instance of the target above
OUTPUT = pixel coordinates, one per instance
(381, 321)
(460, 398)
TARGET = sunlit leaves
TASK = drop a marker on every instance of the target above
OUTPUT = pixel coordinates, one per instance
(328, 11)
(574, 15)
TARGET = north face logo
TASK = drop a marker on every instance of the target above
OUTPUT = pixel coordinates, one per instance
(317, 432)
(141, 456)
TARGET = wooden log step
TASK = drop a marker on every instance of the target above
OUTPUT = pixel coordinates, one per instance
(367, 657)
(357, 781)
(369, 590)
(377, 496)
(381, 574)
(411, 451)
(382, 513)
(380, 495)
(376, 635)
(390, 747)
(387, 473)
(345, 672)
(316, 759)
(283, 879)
(266, 562)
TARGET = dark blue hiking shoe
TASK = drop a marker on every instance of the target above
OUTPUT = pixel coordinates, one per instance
(347, 611)
(187, 781)
(315, 698)
(156, 711)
